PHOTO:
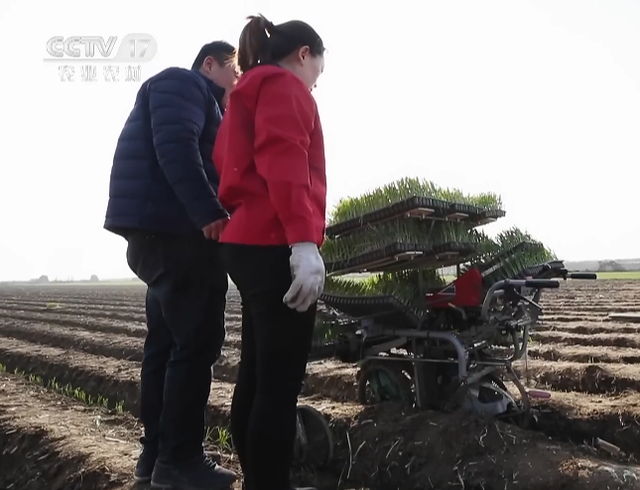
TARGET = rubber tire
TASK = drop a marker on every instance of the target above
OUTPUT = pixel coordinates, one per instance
(394, 372)
(318, 434)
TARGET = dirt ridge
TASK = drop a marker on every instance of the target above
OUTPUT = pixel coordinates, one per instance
(387, 446)
(47, 441)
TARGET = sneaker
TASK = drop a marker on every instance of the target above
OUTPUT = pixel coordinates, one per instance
(146, 463)
(199, 474)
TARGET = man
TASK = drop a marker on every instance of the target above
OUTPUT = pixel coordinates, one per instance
(163, 201)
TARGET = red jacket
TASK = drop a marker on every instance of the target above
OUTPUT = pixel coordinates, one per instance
(269, 153)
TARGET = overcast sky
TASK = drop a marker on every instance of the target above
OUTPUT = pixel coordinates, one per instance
(536, 100)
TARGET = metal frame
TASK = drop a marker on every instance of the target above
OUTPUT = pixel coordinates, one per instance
(468, 374)
(517, 314)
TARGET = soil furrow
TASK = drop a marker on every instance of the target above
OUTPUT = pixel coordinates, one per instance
(581, 417)
(601, 339)
(587, 310)
(101, 297)
(89, 324)
(117, 379)
(458, 451)
(591, 298)
(91, 336)
(115, 327)
(589, 328)
(395, 449)
(326, 378)
(595, 379)
(564, 318)
(68, 307)
(107, 377)
(47, 441)
(129, 315)
(86, 312)
(97, 343)
(586, 354)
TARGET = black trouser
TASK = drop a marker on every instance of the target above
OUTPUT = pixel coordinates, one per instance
(276, 342)
(185, 303)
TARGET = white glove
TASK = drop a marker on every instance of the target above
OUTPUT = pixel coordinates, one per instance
(308, 273)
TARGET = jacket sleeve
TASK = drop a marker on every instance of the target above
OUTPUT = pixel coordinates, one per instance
(283, 125)
(177, 110)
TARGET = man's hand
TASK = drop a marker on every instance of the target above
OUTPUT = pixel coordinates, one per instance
(213, 230)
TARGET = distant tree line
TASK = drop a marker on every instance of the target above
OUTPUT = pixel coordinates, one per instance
(44, 279)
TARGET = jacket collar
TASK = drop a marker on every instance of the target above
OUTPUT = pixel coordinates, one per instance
(217, 90)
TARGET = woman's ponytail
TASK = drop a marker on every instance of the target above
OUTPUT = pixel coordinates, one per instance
(253, 48)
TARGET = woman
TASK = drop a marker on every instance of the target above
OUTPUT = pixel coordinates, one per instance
(269, 154)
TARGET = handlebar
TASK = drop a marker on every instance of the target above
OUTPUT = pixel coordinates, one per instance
(516, 283)
(582, 275)
(539, 284)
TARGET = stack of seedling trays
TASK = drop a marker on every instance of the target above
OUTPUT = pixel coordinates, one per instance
(401, 235)
(418, 232)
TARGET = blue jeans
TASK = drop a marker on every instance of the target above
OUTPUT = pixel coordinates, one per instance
(185, 302)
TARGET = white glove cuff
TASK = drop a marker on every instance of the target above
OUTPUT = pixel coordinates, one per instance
(304, 246)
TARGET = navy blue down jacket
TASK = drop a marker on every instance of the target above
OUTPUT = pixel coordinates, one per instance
(163, 179)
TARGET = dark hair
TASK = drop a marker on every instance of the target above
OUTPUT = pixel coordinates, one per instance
(221, 51)
(262, 42)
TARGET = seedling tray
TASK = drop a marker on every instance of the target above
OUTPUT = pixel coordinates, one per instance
(401, 256)
(502, 258)
(384, 310)
(490, 215)
(417, 207)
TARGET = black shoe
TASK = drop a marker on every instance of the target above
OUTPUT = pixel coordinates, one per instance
(146, 463)
(198, 474)
(292, 488)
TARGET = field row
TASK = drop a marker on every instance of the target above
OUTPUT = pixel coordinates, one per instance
(53, 442)
(577, 296)
(91, 339)
(553, 340)
(385, 436)
(136, 315)
(333, 381)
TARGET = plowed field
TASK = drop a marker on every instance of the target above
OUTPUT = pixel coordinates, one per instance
(89, 340)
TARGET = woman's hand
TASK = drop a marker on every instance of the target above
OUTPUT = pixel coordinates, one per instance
(308, 274)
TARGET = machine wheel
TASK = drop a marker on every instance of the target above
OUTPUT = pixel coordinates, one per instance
(515, 413)
(314, 443)
(492, 379)
(384, 381)
(489, 390)
(491, 397)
